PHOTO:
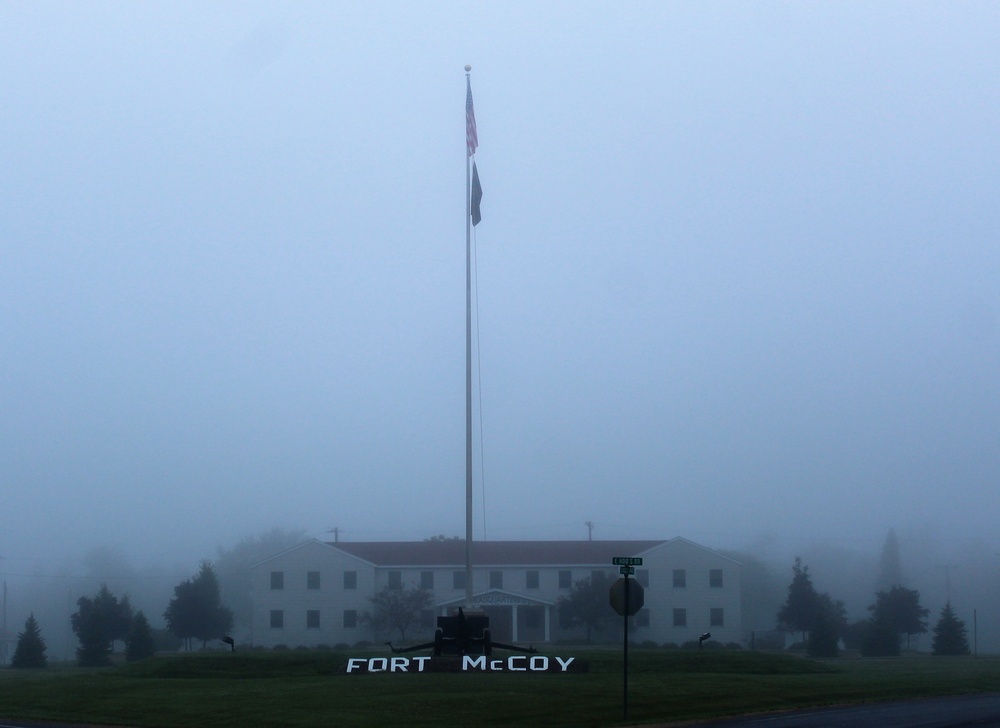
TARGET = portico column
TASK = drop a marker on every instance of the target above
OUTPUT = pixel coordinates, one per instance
(548, 611)
(513, 616)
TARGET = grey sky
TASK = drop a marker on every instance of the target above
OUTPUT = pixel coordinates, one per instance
(737, 271)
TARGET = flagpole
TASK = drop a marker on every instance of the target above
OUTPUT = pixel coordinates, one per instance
(468, 351)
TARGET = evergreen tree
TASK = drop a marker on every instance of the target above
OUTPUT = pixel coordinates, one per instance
(881, 639)
(949, 634)
(97, 623)
(900, 608)
(829, 624)
(890, 565)
(798, 613)
(30, 650)
(140, 643)
(196, 611)
(587, 604)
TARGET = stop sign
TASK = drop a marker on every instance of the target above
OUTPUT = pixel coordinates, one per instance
(636, 597)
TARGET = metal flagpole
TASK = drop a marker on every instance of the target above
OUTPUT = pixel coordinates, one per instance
(470, 134)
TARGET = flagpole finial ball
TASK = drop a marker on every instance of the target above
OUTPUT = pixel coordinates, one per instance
(467, 68)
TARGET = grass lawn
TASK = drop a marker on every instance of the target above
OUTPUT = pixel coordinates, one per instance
(311, 688)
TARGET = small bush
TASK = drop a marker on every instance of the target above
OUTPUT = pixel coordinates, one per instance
(734, 646)
(279, 648)
(362, 645)
(322, 648)
(341, 646)
(649, 645)
(671, 646)
(301, 648)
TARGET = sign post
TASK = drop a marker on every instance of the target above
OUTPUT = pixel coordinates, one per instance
(627, 598)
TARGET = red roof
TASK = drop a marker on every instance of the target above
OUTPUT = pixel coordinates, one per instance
(494, 553)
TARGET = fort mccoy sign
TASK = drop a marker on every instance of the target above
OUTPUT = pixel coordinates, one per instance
(465, 663)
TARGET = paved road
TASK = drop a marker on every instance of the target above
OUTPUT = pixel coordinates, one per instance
(971, 710)
(980, 711)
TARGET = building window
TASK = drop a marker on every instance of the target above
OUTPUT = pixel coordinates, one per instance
(395, 579)
(715, 578)
(715, 617)
(680, 578)
(277, 619)
(680, 617)
(312, 580)
(642, 618)
(496, 580)
(277, 579)
(427, 580)
(350, 580)
(312, 619)
(566, 579)
(350, 619)
(531, 580)
(642, 576)
(458, 579)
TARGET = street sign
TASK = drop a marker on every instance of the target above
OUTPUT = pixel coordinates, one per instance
(627, 561)
(627, 604)
(629, 570)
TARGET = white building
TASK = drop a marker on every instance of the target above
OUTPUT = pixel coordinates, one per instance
(315, 593)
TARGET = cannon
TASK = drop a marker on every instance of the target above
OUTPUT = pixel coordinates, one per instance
(462, 634)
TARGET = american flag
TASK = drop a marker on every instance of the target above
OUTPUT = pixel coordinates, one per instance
(471, 138)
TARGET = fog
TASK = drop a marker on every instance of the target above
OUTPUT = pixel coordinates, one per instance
(736, 281)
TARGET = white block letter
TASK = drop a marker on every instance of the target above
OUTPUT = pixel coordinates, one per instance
(564, 663)
(351, 665)
(541, 666)
(468, 663)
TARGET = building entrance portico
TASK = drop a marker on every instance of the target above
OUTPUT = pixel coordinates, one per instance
(513, 617)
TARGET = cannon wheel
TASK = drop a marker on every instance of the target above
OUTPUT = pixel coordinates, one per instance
(438, 641)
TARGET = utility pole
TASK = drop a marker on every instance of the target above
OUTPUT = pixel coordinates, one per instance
(590, 530)
(336, 533)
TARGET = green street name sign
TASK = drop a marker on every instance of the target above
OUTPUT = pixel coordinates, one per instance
(627, 561)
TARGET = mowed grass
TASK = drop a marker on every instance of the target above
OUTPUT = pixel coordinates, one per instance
(311, 688)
